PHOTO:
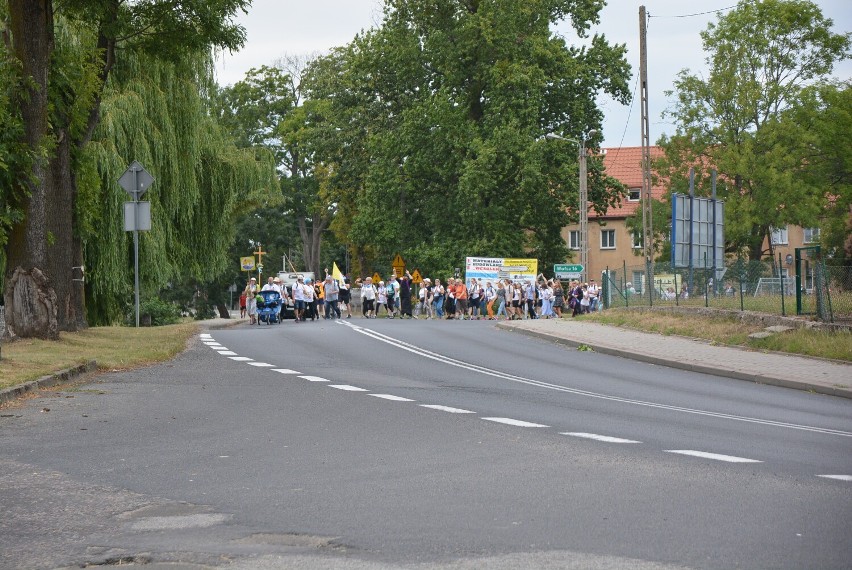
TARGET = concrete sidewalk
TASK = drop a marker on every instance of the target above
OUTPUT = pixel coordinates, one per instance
(803, 373)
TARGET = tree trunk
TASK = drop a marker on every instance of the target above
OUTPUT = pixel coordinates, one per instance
(30, 298)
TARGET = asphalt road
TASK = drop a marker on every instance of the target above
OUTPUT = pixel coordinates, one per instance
(387, 443)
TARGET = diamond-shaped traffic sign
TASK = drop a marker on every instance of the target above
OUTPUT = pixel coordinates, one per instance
(136, 180)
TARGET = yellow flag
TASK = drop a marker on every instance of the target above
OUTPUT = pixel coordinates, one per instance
(336, 274)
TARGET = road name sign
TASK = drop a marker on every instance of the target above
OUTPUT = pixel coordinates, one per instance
(566, 271)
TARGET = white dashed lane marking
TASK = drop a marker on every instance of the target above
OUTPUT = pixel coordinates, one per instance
(261, 364)
(596, 437)
(516, 423)
(314, 378)
(837, 477)
(241, 358)
(446, 409)
(715, 456)
(285, 371)
(347, 387)
(391, 397)
(227, 352)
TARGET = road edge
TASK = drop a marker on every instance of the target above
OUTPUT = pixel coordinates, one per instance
(725, 372)
(61, 377)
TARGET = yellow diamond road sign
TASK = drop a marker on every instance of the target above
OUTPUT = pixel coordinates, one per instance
(415, 277)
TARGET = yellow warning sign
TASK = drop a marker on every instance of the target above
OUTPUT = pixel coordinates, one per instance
(376, 278)
(416, 278)
(398, 260)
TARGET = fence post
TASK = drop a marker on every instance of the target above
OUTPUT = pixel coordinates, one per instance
(706, 283)
(741, 271)
(781, 279)
(677, 291)
(624, 282)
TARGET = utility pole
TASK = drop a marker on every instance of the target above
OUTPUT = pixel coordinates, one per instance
(647, 207)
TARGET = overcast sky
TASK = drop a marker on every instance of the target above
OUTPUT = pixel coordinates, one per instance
(301, 27)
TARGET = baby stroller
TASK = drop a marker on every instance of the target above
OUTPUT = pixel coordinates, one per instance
(268, 307)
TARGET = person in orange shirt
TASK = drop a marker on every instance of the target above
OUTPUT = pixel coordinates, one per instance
(461, 299)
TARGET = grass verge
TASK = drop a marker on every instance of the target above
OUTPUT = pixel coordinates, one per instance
(115, 348)
(731, 332)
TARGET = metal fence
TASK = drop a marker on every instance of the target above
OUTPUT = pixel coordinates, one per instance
(817, 290)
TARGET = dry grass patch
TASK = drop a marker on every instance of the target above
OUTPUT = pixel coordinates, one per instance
(114, 348)
(725, 331)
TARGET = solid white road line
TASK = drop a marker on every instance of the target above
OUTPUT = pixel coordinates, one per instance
(446, 409)
(241, 358)
(837, 477)
(390, 397)
(314, 378)
(597, 437)
(227, 352)
(511, 422)
(522, 380)
(716, 456)
(347, 387)
(285, 371)
(261, 364)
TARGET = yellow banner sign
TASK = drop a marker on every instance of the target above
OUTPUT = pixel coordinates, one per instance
(247, 263)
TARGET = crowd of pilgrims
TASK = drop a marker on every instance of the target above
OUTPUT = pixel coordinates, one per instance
(477, 299)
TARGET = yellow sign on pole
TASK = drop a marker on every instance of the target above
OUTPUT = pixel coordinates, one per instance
(416, 278)
(376, 278)
(398, 265)
(247, 263)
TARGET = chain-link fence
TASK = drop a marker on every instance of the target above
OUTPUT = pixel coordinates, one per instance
(817, 290)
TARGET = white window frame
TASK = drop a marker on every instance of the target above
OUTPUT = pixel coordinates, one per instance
(811, 235)
(637, 240)
(574, 239)
(604, 242)
(630, 192)
(779, 236)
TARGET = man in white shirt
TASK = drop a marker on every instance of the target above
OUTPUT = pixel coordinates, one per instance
(299, 299)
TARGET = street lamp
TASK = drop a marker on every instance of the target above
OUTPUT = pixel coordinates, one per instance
(584, 197)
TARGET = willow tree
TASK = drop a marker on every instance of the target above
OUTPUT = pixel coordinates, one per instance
(159, 113)
(63, 78)
(445, 105)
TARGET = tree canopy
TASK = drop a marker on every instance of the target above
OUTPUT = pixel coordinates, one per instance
(763, 57)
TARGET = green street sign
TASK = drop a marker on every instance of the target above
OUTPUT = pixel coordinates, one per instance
(565, 271)
(568, 268)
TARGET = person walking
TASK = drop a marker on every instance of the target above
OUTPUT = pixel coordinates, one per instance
(382, 300)
(331, 291)
(438, 299)
(558, 298)
(251, 302)
(298, 293)
(368, 297)
(346, 297)
(461, 299)
(405, 295)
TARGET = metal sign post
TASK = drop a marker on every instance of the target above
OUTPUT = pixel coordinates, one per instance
(137, 215)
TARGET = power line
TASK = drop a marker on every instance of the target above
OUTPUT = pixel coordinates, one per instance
(696, 14)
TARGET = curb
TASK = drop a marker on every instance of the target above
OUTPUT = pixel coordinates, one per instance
(60, 377)
(724, 372)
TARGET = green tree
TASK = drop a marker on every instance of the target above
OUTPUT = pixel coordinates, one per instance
(67, 52)
(444, 108)
(761, 55)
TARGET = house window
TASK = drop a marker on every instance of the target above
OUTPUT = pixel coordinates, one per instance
(637, 240)
(811, 235)
(607, 239)
(639, 281)
(634, 194)
(779, 236)
(574, 239)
